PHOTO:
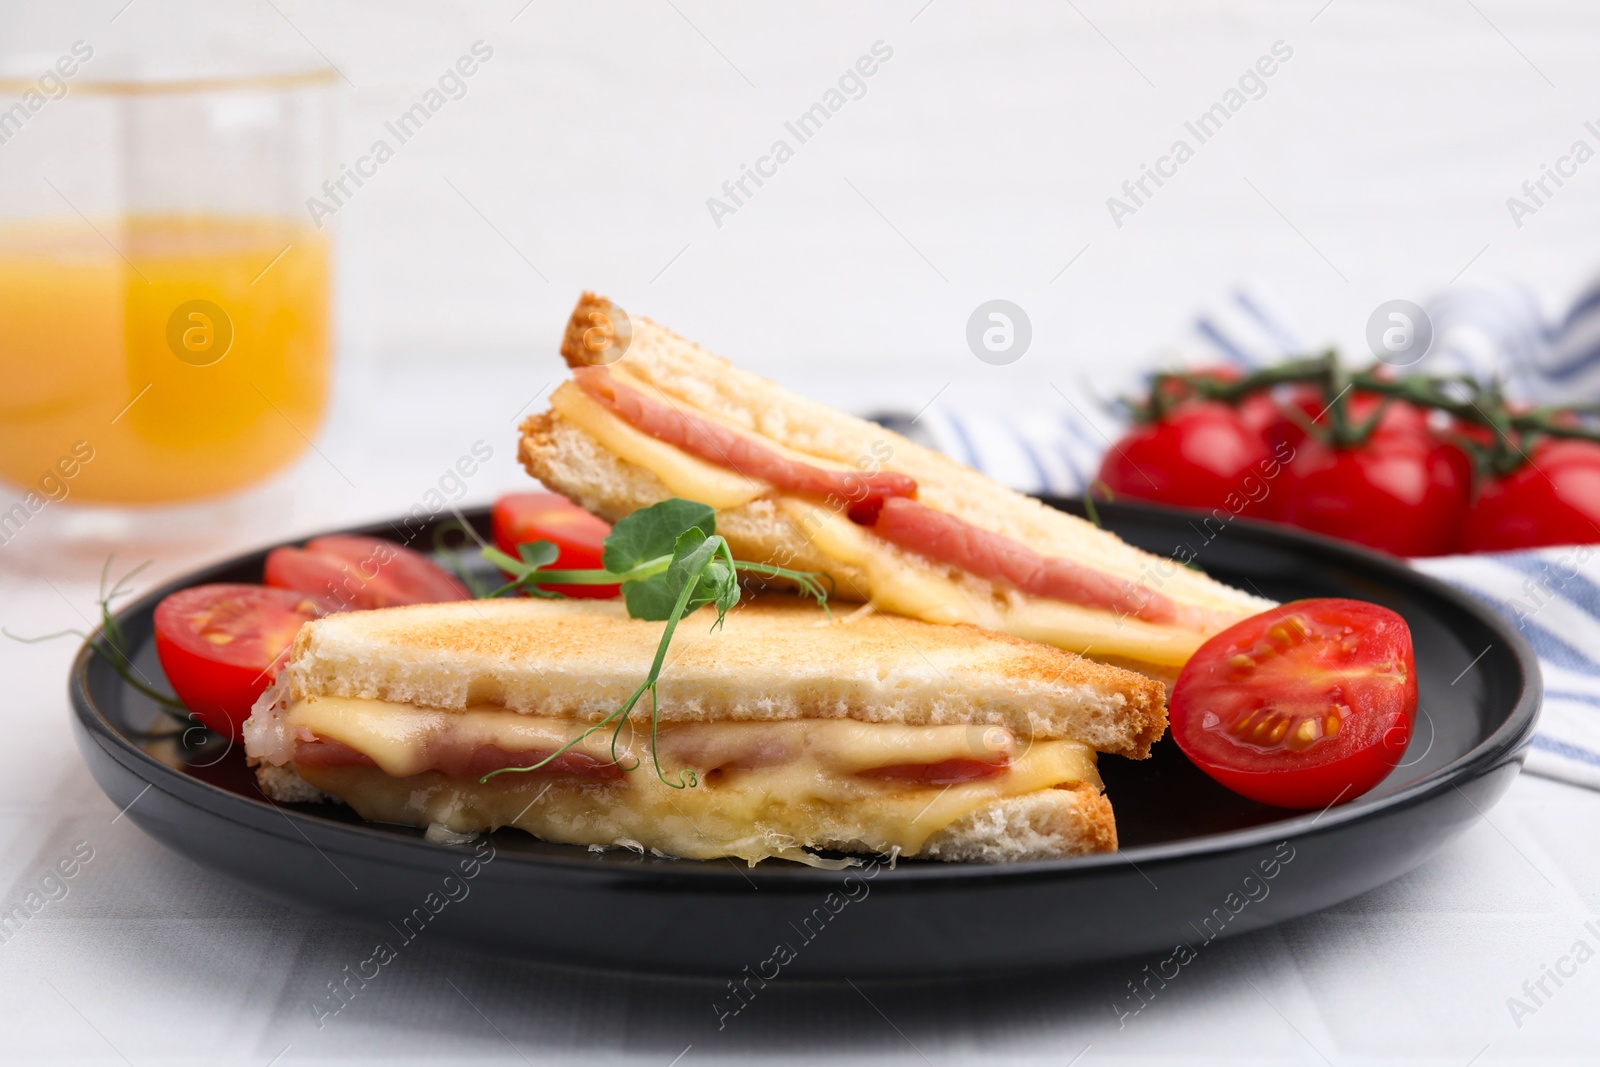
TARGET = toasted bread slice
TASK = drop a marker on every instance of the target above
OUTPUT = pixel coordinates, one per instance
(775, 658)
(584, 452)
(800, 730)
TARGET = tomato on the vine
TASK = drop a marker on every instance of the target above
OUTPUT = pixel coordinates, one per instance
(1553, 499)
(1200, 454)
(1257, 410)
(1303, 706)
(1399, 492)
(1260, 412)
(1374, 456)
(1359, 407)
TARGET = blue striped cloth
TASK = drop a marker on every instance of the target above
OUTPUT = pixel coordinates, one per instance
(1552, 596)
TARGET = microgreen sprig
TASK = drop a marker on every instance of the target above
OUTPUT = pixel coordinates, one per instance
(669, 561)
(109, 642)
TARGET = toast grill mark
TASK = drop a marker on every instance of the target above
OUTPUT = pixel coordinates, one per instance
(882, 501)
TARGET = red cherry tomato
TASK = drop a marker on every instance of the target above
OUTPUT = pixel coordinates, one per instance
(522, 518)
(1400, 492)
(1200, 455)
(1258, 411)
(362, 572)
(1310, 402)
(222, 645)
(1175, 391)
(1283, 430)
(1398, 417)
(1302, 706)
(1552, 500)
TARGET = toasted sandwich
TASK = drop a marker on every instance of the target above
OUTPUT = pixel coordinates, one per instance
(648, 415)
(783, 733)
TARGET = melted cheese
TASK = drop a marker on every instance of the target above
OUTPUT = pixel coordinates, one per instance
(893, 583)
(687, 476)
(805, 790)
(904, 588)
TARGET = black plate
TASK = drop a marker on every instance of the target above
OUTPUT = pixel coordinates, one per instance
(1197, 861)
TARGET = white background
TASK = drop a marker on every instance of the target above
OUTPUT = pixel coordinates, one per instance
(991, 141)
(977, 166)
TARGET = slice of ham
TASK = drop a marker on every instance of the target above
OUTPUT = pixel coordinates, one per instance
(946, 772)
(716, 443)
(884, 502)
(458, 761)
(948, 539)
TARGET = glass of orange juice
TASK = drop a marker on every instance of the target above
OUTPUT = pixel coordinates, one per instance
(165, 329)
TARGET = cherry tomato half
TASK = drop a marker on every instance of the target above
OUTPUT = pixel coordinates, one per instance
(522, 518)
(222, 645)
(1302, 706)
(1199, 455)
(362, 572)
(1554, 499)
(1398, 492)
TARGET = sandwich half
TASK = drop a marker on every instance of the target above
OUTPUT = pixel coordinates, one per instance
(649, 415)
(780, 734)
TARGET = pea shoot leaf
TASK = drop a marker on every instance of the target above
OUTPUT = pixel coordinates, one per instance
(538, 553)
(651, 533)
(693, 561)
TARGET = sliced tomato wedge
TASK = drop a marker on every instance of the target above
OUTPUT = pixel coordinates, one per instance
(1306, 705)
(522, 518)
(222, 645)
(362, 572)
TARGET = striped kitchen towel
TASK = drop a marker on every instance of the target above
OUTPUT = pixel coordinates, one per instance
(1551, 596)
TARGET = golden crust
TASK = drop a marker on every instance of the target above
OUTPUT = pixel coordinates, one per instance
(1064, 821)
(690, 375)
(592, 332)
(776, 658)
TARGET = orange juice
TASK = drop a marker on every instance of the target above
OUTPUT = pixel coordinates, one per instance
(188, 355)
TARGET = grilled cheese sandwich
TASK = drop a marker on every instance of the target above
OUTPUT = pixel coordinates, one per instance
(782, 734)
(669, 419)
